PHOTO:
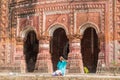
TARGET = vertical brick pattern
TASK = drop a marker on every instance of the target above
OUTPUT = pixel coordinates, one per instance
(117, 30)
(3, 32)
(44, 64)
(75, 64)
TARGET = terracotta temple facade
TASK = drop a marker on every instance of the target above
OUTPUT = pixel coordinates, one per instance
(35, 33)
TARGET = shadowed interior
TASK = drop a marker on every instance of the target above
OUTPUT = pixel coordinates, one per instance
(90, 49)
(31, 49)
(59, 46)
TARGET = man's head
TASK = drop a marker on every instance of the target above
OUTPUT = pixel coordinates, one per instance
(61, 58)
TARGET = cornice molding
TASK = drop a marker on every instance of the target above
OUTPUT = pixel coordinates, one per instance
(69, 2)
(38, 9)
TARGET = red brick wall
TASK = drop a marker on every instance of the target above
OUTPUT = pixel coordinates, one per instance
(71, 15)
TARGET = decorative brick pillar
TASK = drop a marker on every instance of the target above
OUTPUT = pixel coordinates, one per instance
(75, 57)
(44, 58)
(23, 65)
(21, 57)
(101, 57)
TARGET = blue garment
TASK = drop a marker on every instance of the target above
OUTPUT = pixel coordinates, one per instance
(62, 66)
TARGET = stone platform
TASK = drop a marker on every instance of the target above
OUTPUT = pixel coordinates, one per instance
(44, 76)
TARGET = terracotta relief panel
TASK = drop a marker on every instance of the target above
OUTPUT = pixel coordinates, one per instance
(22, 23)
(57, 18)
(82, 18)
(32, 21)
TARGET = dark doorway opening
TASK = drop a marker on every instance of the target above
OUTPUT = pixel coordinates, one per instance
(90, 49)
(31, 49)
(59, 46)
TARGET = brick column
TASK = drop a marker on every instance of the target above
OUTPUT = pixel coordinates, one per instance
(75, 56)
(23, 65)
(101, 57)
(44, 58)
(19, 57)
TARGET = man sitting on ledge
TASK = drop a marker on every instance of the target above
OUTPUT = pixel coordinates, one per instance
(61, 67)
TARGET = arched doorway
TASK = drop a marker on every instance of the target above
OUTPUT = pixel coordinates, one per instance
(31, 49)
(90, 49)
(59, 46)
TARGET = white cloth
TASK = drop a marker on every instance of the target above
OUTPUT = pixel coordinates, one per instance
(57, 73)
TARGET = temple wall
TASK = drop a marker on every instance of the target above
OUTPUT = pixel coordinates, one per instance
(73, 16)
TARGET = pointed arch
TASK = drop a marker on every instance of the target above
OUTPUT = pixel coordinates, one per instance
(90, 46)
(30, 47)
(26, 30)
(59, 43)
(52, 28)
(83, 27)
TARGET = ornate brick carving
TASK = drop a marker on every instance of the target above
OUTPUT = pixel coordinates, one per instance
(75, 37)
(65, 13)
(116, 31)
(45, 38)
(3, 31)
(55, 10)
